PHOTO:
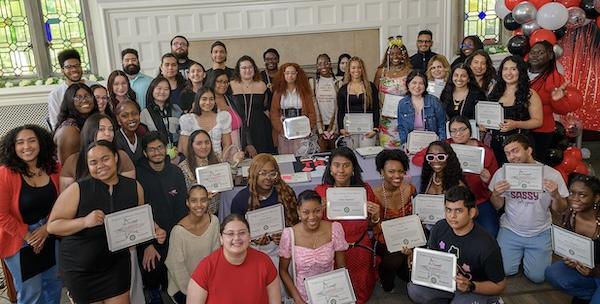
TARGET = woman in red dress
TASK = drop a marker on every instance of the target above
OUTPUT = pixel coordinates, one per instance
(343, 170)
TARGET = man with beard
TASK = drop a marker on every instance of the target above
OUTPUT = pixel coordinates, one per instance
(271, 58)
(165, 190)
(218, 54)
(179, 48)
(70, 64)
(420, 60)
(139, 82)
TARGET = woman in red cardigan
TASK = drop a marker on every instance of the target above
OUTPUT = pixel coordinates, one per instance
(552, 89)
(29, 184)
(343, 170)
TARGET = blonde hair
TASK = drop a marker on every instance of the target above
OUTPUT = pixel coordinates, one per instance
(365, 81)
(442, 59)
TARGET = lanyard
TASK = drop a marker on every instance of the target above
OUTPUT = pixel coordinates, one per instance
(248, 108)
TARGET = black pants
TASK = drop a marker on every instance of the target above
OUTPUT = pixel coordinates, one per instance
(392, 265)
(157, 277)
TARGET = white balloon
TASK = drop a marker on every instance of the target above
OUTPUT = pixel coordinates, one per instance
(558, 51)
(501, 9)
(552, 16)
(560, 68)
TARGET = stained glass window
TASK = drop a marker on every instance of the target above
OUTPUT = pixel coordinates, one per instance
(481, 19)
(61, 25)
(16, 54)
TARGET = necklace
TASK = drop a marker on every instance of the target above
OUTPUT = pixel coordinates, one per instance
(385, 201)
(437, 181)
(264, 197)
(33, 173)
(457, 104)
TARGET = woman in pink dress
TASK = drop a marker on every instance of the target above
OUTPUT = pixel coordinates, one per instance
(313, 246)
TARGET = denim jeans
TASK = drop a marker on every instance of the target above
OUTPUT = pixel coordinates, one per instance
(573, 283)
(488, 218)
(425, 295)
(535, 251)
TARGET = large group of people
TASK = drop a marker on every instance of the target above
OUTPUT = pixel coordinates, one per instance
(140, 139)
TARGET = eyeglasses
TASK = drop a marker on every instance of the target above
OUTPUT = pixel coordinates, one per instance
(424, 41)
(241, 234)
(458, 131)
(271, 175)
(436, 157)
(72, 66)
(80, 98)
(155, 149)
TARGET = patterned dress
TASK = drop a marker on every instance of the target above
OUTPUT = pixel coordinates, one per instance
(389, 137)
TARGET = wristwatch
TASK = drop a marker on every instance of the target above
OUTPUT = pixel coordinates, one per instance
(471, 286)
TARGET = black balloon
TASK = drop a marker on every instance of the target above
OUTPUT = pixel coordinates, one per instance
(554, 157)
(561, 32)
(518, 45)
(510, 23)
(589, 9)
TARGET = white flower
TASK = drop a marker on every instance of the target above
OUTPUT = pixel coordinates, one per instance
(49, 81)
(92, 77)
(9, 84)
(25, 82)
(39, 82)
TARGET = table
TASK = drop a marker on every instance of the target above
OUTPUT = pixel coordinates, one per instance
(369, 175)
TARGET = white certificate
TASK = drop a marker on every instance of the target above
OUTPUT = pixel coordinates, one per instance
(284, 158)
(390, 105)
(569, 244)
(296, 127)
(418, 140)
(267, 220)
(347, 203)
(129, 227)
(471, 158)
(368, 152)
(216, 178)
(296, 177)
(403, 232)
(332, 287)
(524, 177)
(435, 269)
(489, 114)
(430, 208)
(358, 123)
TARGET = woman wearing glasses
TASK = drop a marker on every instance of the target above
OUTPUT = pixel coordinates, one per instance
(468, 45)
(234, 271)
(343, 170)
(192, 239)
(441, 169)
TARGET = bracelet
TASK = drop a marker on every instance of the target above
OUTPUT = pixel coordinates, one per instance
(375, 221)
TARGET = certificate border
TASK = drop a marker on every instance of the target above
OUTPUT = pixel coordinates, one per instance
(383, 104)
(109, 236)
(429, 284)
(467, 147)
(563, 230)
(348, 115)
(348, 217)
(285, 129)
(415, 209)
(418, 132)
(525, 165)
(367, 149)
(318, 276)
(214, 166)
(407, 218)
(491, 103)
(263, 210)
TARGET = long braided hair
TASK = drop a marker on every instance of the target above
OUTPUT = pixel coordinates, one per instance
(285, 194)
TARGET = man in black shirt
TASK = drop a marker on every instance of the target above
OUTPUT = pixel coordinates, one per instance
(179, 48)
(480, 277)
(218, 54)
(421, 58)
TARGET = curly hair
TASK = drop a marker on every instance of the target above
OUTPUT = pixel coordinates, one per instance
(490, 71)
(46, 158)
(345, 152)
(112, 77)
(67, 107)
(302, 84)
(453, 174)
(442, 59)
(191, 160)
(447, 94)
(405, 63)
(365, 81)
(236, 74)
(285, 193)
(523, 93)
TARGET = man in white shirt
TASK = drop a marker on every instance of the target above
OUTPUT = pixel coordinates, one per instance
(138, 81)
(525, 226)
(70, 64)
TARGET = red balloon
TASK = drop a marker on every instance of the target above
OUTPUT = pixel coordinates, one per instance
(539, 3)
(598, 22)
(541, 35)
(569, 3)
(574, 97)
(518, 31)
(561, 169)
(569, 164)
(510, 4)
(574, 153)
(582, 168)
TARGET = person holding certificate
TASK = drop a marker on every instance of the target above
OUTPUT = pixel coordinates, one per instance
(234, 273)
(358, 95)
(461, 93)
(525, 225)
(343, 170)
(325, 87)
(419, 110)
(480, 277)
(522, 105)
(91, 272)
(313, 246)
(390, 78)
(291, 98)
(192, 239)
(437, 72)
(28, 190)
(441, 169)
(583, 218)
(395, 195)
